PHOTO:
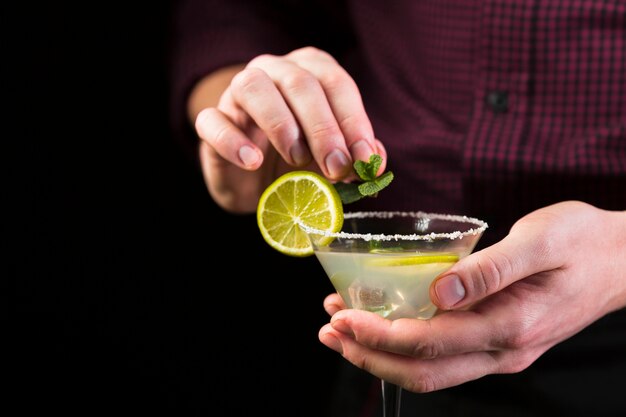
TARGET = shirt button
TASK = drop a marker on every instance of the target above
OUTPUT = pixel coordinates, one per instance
(498, 101)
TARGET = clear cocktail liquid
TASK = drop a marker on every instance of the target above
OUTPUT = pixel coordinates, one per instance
(392, 285)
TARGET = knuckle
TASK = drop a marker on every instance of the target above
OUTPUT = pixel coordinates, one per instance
(246, 80)
(311, 52)
(204, 116)
(350, 122)
(299, 79)
(520, 335)
(517, 340)
(516, 362)
(421, 383)
(220, 136)
(361, 362)
(324, 130)
(204, 119)
(489, 276)
(261, 60)
(337, 80)
(492, 268)
(424, 350)
(282, 129)
(546, 235)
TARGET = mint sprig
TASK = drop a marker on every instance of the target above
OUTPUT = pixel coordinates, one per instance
(370, 184)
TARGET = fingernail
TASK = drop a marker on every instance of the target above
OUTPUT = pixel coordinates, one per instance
(380, 149)
(248, 156)
(336, 163)
(449, 290)
(299, 154)
(361, 150)
(342, 327)
(332, 342)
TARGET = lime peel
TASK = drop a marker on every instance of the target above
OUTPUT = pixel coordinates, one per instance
(295, 199)
(396, 260)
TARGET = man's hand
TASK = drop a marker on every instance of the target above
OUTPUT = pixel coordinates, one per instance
(560, 269)
(280, 112)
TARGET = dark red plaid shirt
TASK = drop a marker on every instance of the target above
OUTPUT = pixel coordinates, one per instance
(486, 108)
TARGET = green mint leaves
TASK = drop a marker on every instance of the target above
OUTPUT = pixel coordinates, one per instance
(370, 185)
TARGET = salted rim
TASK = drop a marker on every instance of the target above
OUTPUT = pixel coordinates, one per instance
(481, 226)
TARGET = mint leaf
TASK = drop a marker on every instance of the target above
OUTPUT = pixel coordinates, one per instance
(349, 192)
(371, 188)
(370, 185)
(367, 170)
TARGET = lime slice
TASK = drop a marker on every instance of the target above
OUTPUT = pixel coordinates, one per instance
(396, 260)
(298, 197)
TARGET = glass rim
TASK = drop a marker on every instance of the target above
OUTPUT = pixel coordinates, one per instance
(481, 226)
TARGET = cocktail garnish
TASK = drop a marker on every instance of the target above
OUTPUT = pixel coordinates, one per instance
(430, 258)
(370, 183)
(293, 201)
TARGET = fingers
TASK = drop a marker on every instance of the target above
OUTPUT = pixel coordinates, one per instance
(527, 276)
(259, 97)
(524, 252)
(304, 95)
(327, 105)
(344, 99)
(333, 303)
(422, 374)
(227, 140)
(419, 375)
(426, 355)
(304, 103)
(446, 334)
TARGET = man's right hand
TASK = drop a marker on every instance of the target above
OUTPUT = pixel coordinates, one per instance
(278, 113)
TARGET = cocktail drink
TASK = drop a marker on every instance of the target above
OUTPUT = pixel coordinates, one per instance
(390, 284)
(385, 262)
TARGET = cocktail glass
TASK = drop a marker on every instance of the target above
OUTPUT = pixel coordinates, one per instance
(385, 262)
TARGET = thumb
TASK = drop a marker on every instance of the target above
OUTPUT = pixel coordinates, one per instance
(520, 254)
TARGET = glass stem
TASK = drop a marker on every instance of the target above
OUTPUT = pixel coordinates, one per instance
(391, 399)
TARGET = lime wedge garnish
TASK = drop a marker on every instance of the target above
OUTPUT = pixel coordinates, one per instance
(401, 260)
(298, 197)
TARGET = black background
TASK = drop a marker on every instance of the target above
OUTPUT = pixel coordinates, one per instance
(132, 291)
